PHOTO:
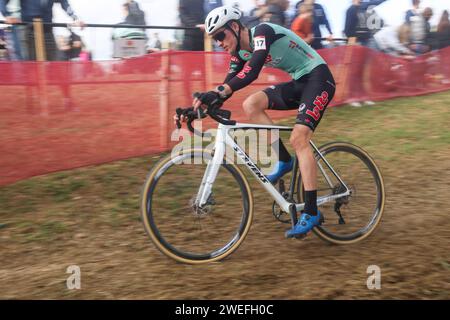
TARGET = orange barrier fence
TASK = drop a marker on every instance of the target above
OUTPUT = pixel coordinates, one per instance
(62, 115)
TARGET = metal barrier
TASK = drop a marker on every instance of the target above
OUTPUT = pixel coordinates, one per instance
(38, 30)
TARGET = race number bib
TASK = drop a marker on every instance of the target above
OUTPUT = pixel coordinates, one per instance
(259, 43)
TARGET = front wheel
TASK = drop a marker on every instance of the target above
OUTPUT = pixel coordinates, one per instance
(178, 226)
(352, 218)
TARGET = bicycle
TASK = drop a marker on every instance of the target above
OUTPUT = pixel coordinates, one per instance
(216, 195)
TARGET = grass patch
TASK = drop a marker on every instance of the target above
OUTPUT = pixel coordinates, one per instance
(30, 231)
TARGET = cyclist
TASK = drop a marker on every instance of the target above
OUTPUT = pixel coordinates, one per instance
(310, 91)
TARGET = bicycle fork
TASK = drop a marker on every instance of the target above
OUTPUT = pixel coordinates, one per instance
(212, 169)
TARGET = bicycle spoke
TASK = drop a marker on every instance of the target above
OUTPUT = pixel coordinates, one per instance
(361, 209)
(191, 232)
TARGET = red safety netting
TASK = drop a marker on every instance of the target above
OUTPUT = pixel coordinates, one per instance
(62, 115)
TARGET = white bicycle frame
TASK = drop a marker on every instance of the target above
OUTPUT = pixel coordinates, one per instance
(223, 139)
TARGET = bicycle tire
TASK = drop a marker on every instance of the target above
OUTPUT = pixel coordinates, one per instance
(323, 231)
(148, 214)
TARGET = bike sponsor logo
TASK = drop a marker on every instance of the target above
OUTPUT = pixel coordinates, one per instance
(270, 62)
(251, 165)
(246, 55)
(244, 72)
(258, 145)
(319, 104)
(295, 45)
(301, 107)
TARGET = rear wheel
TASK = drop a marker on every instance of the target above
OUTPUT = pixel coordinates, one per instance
(352, 218)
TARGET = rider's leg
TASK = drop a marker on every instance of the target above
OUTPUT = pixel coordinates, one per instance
(300, 137)
(317, 92)
(255, 107)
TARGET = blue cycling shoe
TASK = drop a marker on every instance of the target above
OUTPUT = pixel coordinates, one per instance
(280, 169)
(304, 225)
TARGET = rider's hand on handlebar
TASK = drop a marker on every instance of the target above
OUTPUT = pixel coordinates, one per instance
(205, 99)
(181, 119)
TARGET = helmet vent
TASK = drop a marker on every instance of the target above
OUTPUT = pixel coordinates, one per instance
(216, 19)
(225, 11)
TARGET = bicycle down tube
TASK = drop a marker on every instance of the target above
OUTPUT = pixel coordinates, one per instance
(224, 139)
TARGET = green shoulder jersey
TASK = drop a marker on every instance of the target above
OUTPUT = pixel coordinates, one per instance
(272, 46)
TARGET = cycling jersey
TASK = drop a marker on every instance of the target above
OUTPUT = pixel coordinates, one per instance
(272, 46)
(312, 86)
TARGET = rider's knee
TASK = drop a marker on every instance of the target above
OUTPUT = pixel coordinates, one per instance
(253, 104)
(300, 138)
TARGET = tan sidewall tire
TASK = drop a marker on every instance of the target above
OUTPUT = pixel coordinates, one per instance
(154, 238)
(321, 234)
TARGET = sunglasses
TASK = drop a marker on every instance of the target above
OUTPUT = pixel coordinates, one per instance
(219, 36)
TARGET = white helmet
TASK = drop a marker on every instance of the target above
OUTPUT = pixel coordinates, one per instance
(219, 17)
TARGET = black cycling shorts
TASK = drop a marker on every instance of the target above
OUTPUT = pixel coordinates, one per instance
(310, 94)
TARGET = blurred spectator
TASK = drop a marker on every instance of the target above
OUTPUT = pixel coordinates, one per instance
(255, 15)
(209, 5)
(440, 38)
(17, 34)
(443, 30)
(414, 11)
(319, 19)
(302, 25)
(85, 54)
(420, 31)
(358, 31)
(276, 12)
(133, 16)
(3, 46)
(70, 47)
(191, 15)
(351, 19)
(31, 9)
(443, 36)
(357, 21)
(394, 40)
(155, 42)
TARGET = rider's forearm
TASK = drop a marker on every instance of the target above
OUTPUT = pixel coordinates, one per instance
(228, 91)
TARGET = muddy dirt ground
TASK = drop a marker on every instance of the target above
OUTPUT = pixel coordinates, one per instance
(95, 225)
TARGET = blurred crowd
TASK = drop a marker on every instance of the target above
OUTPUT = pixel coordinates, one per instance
(363, 26)
(19, 40)
(306, 18)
